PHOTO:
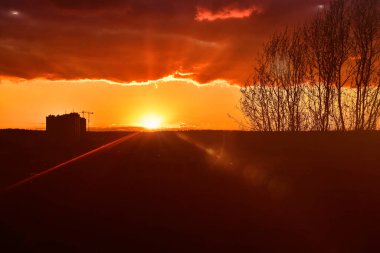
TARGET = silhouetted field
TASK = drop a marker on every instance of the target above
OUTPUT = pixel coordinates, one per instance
(23, 152)
(195, 191)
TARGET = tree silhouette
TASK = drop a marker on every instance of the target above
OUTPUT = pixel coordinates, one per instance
(323, 75)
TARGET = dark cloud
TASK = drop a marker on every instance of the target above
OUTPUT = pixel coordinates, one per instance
(89, 4)
(137, 40)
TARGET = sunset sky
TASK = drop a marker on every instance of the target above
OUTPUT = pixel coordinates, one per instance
(179, 63)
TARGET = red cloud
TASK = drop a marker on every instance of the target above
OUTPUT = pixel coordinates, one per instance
(129, 40)
(229, 12)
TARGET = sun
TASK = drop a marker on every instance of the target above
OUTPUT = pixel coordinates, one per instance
(151, 121)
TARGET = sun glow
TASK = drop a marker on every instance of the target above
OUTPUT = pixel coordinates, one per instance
(151, 121)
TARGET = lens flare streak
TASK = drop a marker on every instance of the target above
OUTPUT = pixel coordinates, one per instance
(45, 172)
(219, 156)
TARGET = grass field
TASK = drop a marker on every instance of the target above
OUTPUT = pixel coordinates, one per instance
(193, 191)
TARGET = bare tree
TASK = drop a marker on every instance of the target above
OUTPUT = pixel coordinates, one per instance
(365, 54)
(329, 46)
(301, 79)
(273, 97)
(254, 106)
(295, 79)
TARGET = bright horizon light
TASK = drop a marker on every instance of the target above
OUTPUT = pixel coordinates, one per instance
(151, 121)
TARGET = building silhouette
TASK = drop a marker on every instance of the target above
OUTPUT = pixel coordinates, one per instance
(67, 127)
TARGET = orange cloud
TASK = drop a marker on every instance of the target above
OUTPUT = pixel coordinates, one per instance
(228, 12)
(177, 77)
(129, 40)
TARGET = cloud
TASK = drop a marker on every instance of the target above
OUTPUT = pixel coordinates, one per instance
(129, 40)
(176, 77)
(229, 12)
(89, 4)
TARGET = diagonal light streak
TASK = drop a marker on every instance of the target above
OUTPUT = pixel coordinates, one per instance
(75, 159)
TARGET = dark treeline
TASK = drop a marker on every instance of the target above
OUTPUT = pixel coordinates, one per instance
(322, 75)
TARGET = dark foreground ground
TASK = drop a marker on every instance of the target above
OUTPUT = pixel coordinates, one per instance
(193, 192)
